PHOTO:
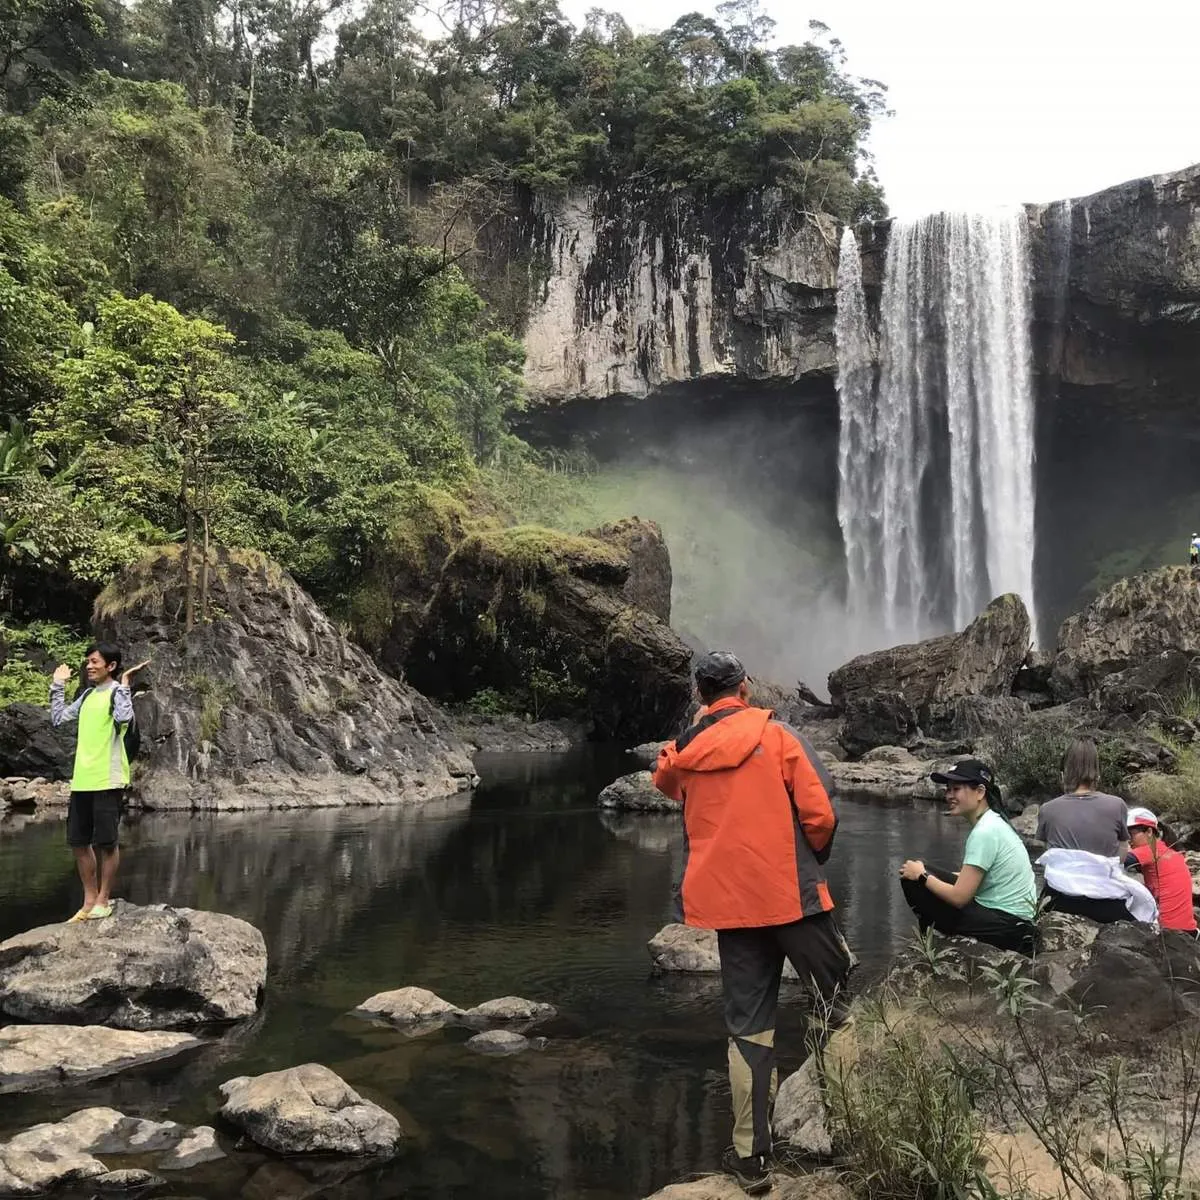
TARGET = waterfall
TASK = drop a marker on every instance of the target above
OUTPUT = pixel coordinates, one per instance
(936, 475)
(856, 403)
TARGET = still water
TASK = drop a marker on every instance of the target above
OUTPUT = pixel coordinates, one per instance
(524, 888)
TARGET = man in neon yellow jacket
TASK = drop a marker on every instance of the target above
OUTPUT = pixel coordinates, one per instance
(104, 710)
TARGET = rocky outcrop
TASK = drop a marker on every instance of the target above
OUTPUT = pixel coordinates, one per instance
(637, 793)
(541, 616)
(153, 967)
(39, 1056)
(641, 295)
(30, 746)
(649, 582)
(1135, 644)
(39, 792)
(67, 1151)
(983, 660)
(308, 1110)
(268, 704)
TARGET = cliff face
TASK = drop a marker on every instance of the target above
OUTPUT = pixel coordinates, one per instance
(638, 296)
(1117, 290)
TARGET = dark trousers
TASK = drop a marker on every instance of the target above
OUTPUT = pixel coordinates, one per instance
(973, 920)
(1103, 912)
(751, 968)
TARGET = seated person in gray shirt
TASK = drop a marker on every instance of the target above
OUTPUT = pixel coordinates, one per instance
(1084, 819)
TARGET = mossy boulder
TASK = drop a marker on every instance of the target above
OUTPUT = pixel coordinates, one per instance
(267, 704)
(543, 618)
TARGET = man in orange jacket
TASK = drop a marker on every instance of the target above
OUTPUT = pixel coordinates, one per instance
(758, 826)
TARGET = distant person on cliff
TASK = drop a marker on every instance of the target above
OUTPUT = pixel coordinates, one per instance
(1194, 550)
(759, 825)
(104, 710)
(992, 897)
(1087, 839)
(1165, 871)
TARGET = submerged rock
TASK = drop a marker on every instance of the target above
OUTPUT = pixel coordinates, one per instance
(38, 1056)
(268, 704)
(410, 1006)
(508, 1008)
(196, 1147)
(53, 1155)
(637, 793)
(151, 967)
(503, 1041)
(130, 1180)
(308, 1110)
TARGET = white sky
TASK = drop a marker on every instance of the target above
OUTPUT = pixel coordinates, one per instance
(1000, 102)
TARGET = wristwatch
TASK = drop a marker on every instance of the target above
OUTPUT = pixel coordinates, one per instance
(924, 879)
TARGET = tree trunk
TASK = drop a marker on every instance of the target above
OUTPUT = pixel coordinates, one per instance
(189, 604)
(204, 571)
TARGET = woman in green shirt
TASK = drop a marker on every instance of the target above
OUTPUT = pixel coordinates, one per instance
(992, 897)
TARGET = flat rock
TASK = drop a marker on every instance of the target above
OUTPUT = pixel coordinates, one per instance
(820, 1185)
(308, 1110)
(647, 752)
(410, 1005)
(509, 1008)
(637, 793)
(503, 1041)
(899, 776)
(694, 951)
(38, 1056)
(128, 1180)
(151, 967)
(800, 1118)
(197, 1146)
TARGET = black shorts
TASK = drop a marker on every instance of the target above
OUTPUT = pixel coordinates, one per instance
(93, 818)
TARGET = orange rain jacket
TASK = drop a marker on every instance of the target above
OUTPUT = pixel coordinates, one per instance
(757, 819)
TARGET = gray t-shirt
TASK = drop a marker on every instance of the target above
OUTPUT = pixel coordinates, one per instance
(1091, 821)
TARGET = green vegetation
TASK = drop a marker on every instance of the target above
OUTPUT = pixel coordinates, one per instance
(261, 270)
(29, 653)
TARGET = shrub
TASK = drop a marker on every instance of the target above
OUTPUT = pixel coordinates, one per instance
(32, 651)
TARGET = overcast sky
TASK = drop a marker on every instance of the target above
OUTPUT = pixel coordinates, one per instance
(1000, 102)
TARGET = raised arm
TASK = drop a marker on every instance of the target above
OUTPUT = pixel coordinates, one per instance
(60, 711)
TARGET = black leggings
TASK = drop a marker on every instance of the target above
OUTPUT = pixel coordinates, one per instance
(1103, 912)
(1000, 929)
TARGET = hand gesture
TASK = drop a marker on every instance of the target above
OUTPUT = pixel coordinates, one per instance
(913, 869)
(132, 672)
(62, 673)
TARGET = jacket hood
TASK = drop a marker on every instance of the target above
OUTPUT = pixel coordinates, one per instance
(726, 743)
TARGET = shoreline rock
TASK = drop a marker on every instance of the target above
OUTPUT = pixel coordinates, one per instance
(149, 967)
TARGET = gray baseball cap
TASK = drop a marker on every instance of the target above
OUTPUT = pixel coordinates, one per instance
(719, 670)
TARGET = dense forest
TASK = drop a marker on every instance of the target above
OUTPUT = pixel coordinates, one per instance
(261, 261)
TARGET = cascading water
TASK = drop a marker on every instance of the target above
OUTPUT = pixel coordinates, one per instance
(936, 466)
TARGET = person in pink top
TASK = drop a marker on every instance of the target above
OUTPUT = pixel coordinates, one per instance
(1164, 870)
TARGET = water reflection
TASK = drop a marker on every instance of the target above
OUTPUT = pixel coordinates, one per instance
(525, 889)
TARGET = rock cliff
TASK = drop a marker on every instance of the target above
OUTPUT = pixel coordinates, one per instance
(638, 296)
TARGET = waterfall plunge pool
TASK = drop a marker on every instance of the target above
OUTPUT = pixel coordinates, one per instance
(525, 888)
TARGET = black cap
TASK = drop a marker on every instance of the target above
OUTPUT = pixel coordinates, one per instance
(970, 770)
(718, 671)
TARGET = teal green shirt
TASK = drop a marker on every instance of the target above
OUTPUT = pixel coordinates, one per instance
(1008, 885)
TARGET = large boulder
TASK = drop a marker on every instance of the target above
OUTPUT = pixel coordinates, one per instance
(1135, 644)
(541, 617)
(267, 704)
(39, 1056)
(31, 746)
(983, 660)
(308, 1110)
(879, 718)
(154, 967)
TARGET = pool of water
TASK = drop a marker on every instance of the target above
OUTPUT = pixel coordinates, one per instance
(523, 888)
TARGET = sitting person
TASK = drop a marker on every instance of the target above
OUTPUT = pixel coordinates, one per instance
(1164, 870)
(992, 897)
(1086, 843)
